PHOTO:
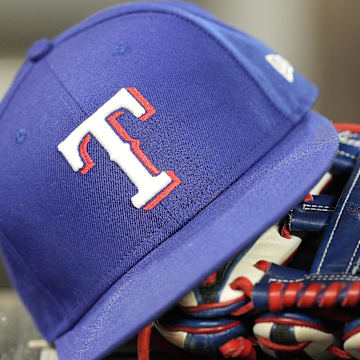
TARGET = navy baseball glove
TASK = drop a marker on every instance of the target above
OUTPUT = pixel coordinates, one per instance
(295, 292)
(315, 310)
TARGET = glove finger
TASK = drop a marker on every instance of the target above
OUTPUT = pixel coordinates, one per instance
(202, 336)
(285, 335)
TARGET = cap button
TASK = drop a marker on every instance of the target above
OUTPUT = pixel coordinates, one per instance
(39, 49)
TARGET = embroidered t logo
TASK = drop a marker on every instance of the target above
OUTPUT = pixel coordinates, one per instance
(153, 185)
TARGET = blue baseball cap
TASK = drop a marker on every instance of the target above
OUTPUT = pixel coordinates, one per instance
(140, 150)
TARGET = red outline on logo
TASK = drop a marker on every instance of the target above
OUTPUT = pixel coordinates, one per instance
(135, 144)
(150, 111)
(85, 155)
(161, 196)
(135, 147)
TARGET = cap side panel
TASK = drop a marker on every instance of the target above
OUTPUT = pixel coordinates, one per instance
(28, 286)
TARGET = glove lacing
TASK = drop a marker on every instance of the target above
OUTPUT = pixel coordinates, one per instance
(240, 348)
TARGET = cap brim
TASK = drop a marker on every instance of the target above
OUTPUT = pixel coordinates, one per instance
(239, 215)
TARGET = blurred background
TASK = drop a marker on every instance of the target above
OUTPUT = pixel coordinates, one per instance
(320, 38)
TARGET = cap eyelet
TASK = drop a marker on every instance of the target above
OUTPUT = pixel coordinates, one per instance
(39, 49)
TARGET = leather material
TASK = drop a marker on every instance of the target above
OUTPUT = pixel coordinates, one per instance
(281, 272)
(313, 215)
(349, 148)
(294, 335)
(352, 338)
(340, 237)
(199, 335)
(312, 291)
(333, 281)
(342, 234)
(305, 319)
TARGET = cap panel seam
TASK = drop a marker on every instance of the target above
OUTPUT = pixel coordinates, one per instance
(84, 112)
(63, 86)
(190, 201)
(197, 26)
(210, 35)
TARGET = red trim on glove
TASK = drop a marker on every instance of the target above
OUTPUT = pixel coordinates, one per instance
(275, 297)
(285, 232)
(238, 348)
(244, 309)
(330, 296)
(143, 343)
(347, 127)
(308, 298)
(352, 296)
(210, 279)
(339, 352)
(280, 347)
(263, 265)
(210, 330)
(244, 284)
(351, 333)
(291, 293)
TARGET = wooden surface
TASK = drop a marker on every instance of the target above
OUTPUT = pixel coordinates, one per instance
(19, 340)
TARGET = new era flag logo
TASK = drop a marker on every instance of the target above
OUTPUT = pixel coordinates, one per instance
(281, 65)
